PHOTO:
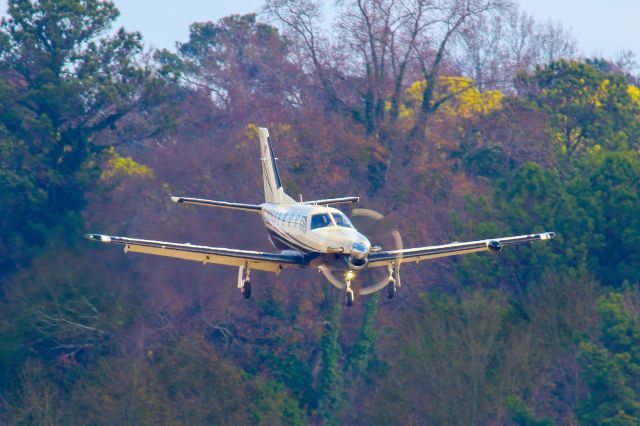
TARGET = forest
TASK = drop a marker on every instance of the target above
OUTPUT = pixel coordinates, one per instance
(456, 119)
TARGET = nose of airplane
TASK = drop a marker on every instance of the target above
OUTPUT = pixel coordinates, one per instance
(359, 246)
(359, 250)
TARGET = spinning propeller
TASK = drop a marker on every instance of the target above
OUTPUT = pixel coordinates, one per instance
(382, 232)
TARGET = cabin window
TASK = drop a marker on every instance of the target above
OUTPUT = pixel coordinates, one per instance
(321, 220)
(341, 220)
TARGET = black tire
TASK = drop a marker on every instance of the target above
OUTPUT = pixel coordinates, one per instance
(391, 290)
(348, 298)
(246, 290)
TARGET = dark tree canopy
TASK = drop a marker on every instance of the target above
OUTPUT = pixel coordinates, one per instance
(65, 82)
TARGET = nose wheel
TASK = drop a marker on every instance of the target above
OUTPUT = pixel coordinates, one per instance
(349, 298)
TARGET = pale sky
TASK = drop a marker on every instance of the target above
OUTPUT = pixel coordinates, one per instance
(600, 27)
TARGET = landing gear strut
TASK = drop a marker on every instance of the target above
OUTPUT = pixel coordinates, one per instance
(349, 297)
(244, 281)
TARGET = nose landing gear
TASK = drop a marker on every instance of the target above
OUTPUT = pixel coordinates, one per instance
(349, 297)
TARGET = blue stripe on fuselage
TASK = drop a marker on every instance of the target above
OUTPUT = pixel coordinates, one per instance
(291, 241)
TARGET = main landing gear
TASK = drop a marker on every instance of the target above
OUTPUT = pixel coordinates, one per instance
(244, 281)
(391, 289)
(391, 286)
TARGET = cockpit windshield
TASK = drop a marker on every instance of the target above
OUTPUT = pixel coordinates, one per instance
(320, 221)
(341, 220)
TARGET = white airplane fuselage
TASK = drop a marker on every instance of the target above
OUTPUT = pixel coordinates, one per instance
(304, 228)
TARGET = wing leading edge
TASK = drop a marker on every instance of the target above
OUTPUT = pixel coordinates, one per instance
(433, 252)
(272, 262)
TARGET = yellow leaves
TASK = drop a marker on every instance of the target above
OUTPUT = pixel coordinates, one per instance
(414, 92)
(251, 131)
(601, 94)
(403, 111)
(466, 101)
(469, 101)
(634, 94)
(123, 167)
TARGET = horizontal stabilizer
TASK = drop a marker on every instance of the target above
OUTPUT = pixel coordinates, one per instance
(224, 204)
(330, 201)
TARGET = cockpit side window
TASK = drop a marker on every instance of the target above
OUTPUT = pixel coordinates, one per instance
(320, 221)
(341, 220)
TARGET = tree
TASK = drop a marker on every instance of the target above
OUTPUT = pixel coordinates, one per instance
(63, 86)
(587, 107)
(447, 19)
(532, 199)
(521, 415)
(238, 61)
(443, 369)
(608, 192)
(611, 365)
(64, 309)
(495, 48)
(380, 47)
(593, 214)
(330, 380)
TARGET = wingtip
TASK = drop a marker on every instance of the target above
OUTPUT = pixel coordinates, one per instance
(548, 235)
(175, 199)
(98, 237)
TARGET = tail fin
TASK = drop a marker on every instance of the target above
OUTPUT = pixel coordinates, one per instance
(273, 191)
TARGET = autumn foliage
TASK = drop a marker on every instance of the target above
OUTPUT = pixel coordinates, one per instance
(430, 111)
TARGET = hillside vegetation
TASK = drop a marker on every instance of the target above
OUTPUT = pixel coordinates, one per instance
(458, 119)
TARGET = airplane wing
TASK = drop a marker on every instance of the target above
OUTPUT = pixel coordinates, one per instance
(272, 262)
(384, 258)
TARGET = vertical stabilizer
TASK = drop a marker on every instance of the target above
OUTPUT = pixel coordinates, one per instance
(273, 191)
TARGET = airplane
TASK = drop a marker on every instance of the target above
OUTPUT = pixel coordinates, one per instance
(308, 234)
